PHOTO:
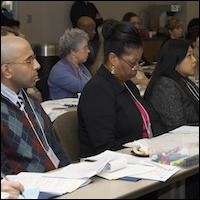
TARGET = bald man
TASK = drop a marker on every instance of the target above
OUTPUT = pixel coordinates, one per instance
(28, 143)
(88, 25)
(12, 67)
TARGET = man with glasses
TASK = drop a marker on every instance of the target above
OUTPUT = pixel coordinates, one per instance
(28, 143)
(11, 30)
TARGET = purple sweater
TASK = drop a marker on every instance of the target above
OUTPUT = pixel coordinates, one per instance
(66, 81)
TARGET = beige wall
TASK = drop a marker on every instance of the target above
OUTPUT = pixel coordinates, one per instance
(192, 10)
(51, 18)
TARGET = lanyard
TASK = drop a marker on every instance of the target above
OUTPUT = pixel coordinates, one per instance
(38, 121)
(48, 150)
(147, 123)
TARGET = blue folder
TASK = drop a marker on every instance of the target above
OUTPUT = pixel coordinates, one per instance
(129, 178)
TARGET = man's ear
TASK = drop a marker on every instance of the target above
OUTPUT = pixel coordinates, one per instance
(6, 71)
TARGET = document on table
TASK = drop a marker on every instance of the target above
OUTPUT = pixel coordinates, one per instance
(136, 167)
(54, 185)
(54, 108)
(85, 169)
(150, 170)
(126, 171)
(161, 172)
(32, 193)
(52, 105)
(93, 165)
(113, 165)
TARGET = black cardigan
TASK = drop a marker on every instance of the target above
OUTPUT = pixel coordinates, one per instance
(108, 116)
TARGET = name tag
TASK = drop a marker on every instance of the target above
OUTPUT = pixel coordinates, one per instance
(54, 159)
(149, 130)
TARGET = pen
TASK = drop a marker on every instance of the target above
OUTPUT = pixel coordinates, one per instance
(89, 160)
(5, 177)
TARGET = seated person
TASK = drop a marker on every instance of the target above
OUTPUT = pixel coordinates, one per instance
(14, 30)
(140, 78)
(27, 141)
(135, 20)
(111, 111)
(13, 24)
(7, 30)
(99, 58)
(89, 26)
(86, 8)
(132, 18)
(174, 28)
(193, 37)
(69, 75)
(170, 92)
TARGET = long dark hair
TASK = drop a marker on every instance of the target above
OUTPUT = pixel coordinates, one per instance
(172, 53)
(119, 37)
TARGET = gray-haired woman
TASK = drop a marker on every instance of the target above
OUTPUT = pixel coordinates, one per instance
(69, 75)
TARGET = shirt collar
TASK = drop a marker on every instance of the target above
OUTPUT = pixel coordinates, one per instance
(9, 94)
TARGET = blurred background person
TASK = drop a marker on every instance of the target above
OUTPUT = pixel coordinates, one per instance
(140, 79)
(69, 75)
(86, 8)
(8, 20)
(7, 17)
(6, 30)
(174, 28)
(192, 35)
(111, 111)
(89, 26)
(170, 92)
(99, 58)
(134, 19)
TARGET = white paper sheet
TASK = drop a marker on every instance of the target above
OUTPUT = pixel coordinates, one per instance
(45, 183)
(54, 108)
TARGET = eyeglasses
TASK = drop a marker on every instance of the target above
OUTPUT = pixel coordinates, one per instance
(134, 67)
(28, 61)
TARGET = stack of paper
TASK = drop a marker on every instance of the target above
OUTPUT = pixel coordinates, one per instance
(48, 184)
(109, 165)
(135, 167)
(114, 165)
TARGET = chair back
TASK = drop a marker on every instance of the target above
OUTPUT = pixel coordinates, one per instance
(65, 127)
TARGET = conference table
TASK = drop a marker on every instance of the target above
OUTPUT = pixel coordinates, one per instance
(173, 188)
